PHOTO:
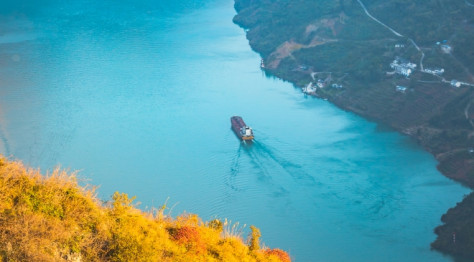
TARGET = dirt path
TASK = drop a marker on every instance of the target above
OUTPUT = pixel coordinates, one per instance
(378, 21)
(394, 32)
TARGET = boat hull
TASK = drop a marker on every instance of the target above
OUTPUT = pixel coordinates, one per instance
(240, 129)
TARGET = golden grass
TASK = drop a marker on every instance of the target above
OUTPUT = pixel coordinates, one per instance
(52, 218)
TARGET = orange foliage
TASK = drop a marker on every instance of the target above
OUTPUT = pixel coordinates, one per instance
(185, 234)
(282, 255)
(190, 237)
(52, 218)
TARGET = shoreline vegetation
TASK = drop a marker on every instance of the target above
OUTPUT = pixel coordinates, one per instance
(52, 218)
(405, 64)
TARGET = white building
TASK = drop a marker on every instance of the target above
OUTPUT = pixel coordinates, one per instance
(410, 65)
(436, 71)
(401, 89)
(309, 89)
(456, 83)
(399, 69)
(446, 49)
(405, 69)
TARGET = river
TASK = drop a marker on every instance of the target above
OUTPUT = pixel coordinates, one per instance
(138, 97)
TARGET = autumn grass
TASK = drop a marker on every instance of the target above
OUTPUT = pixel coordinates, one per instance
(52, 218)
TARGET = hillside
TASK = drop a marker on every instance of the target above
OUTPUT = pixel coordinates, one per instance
(52, 218)
(405, 63)
(458, 229)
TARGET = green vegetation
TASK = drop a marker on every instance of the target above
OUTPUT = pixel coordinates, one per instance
(299, 38)
(51, 218)
(456, 236)
(362, 45)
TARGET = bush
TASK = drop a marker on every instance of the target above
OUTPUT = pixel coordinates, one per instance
(52, 218)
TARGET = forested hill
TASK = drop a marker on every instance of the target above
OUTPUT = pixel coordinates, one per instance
(345, 28)
(406, 63)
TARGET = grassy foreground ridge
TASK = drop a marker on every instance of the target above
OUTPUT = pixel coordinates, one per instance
(52, 218)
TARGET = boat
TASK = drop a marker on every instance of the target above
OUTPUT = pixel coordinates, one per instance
(243, 131)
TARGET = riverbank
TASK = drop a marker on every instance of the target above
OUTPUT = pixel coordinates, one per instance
(296, 40)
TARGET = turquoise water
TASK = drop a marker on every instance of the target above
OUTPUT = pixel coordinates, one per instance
(138, 98)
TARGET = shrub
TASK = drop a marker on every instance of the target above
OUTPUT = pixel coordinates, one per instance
(52, 218)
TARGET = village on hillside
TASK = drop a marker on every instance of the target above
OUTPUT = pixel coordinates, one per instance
(400, 66)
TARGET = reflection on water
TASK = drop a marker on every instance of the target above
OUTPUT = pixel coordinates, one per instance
(138, 97)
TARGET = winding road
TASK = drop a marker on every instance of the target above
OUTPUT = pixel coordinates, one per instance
(413, 42)
(395, 32)
(378, 21)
